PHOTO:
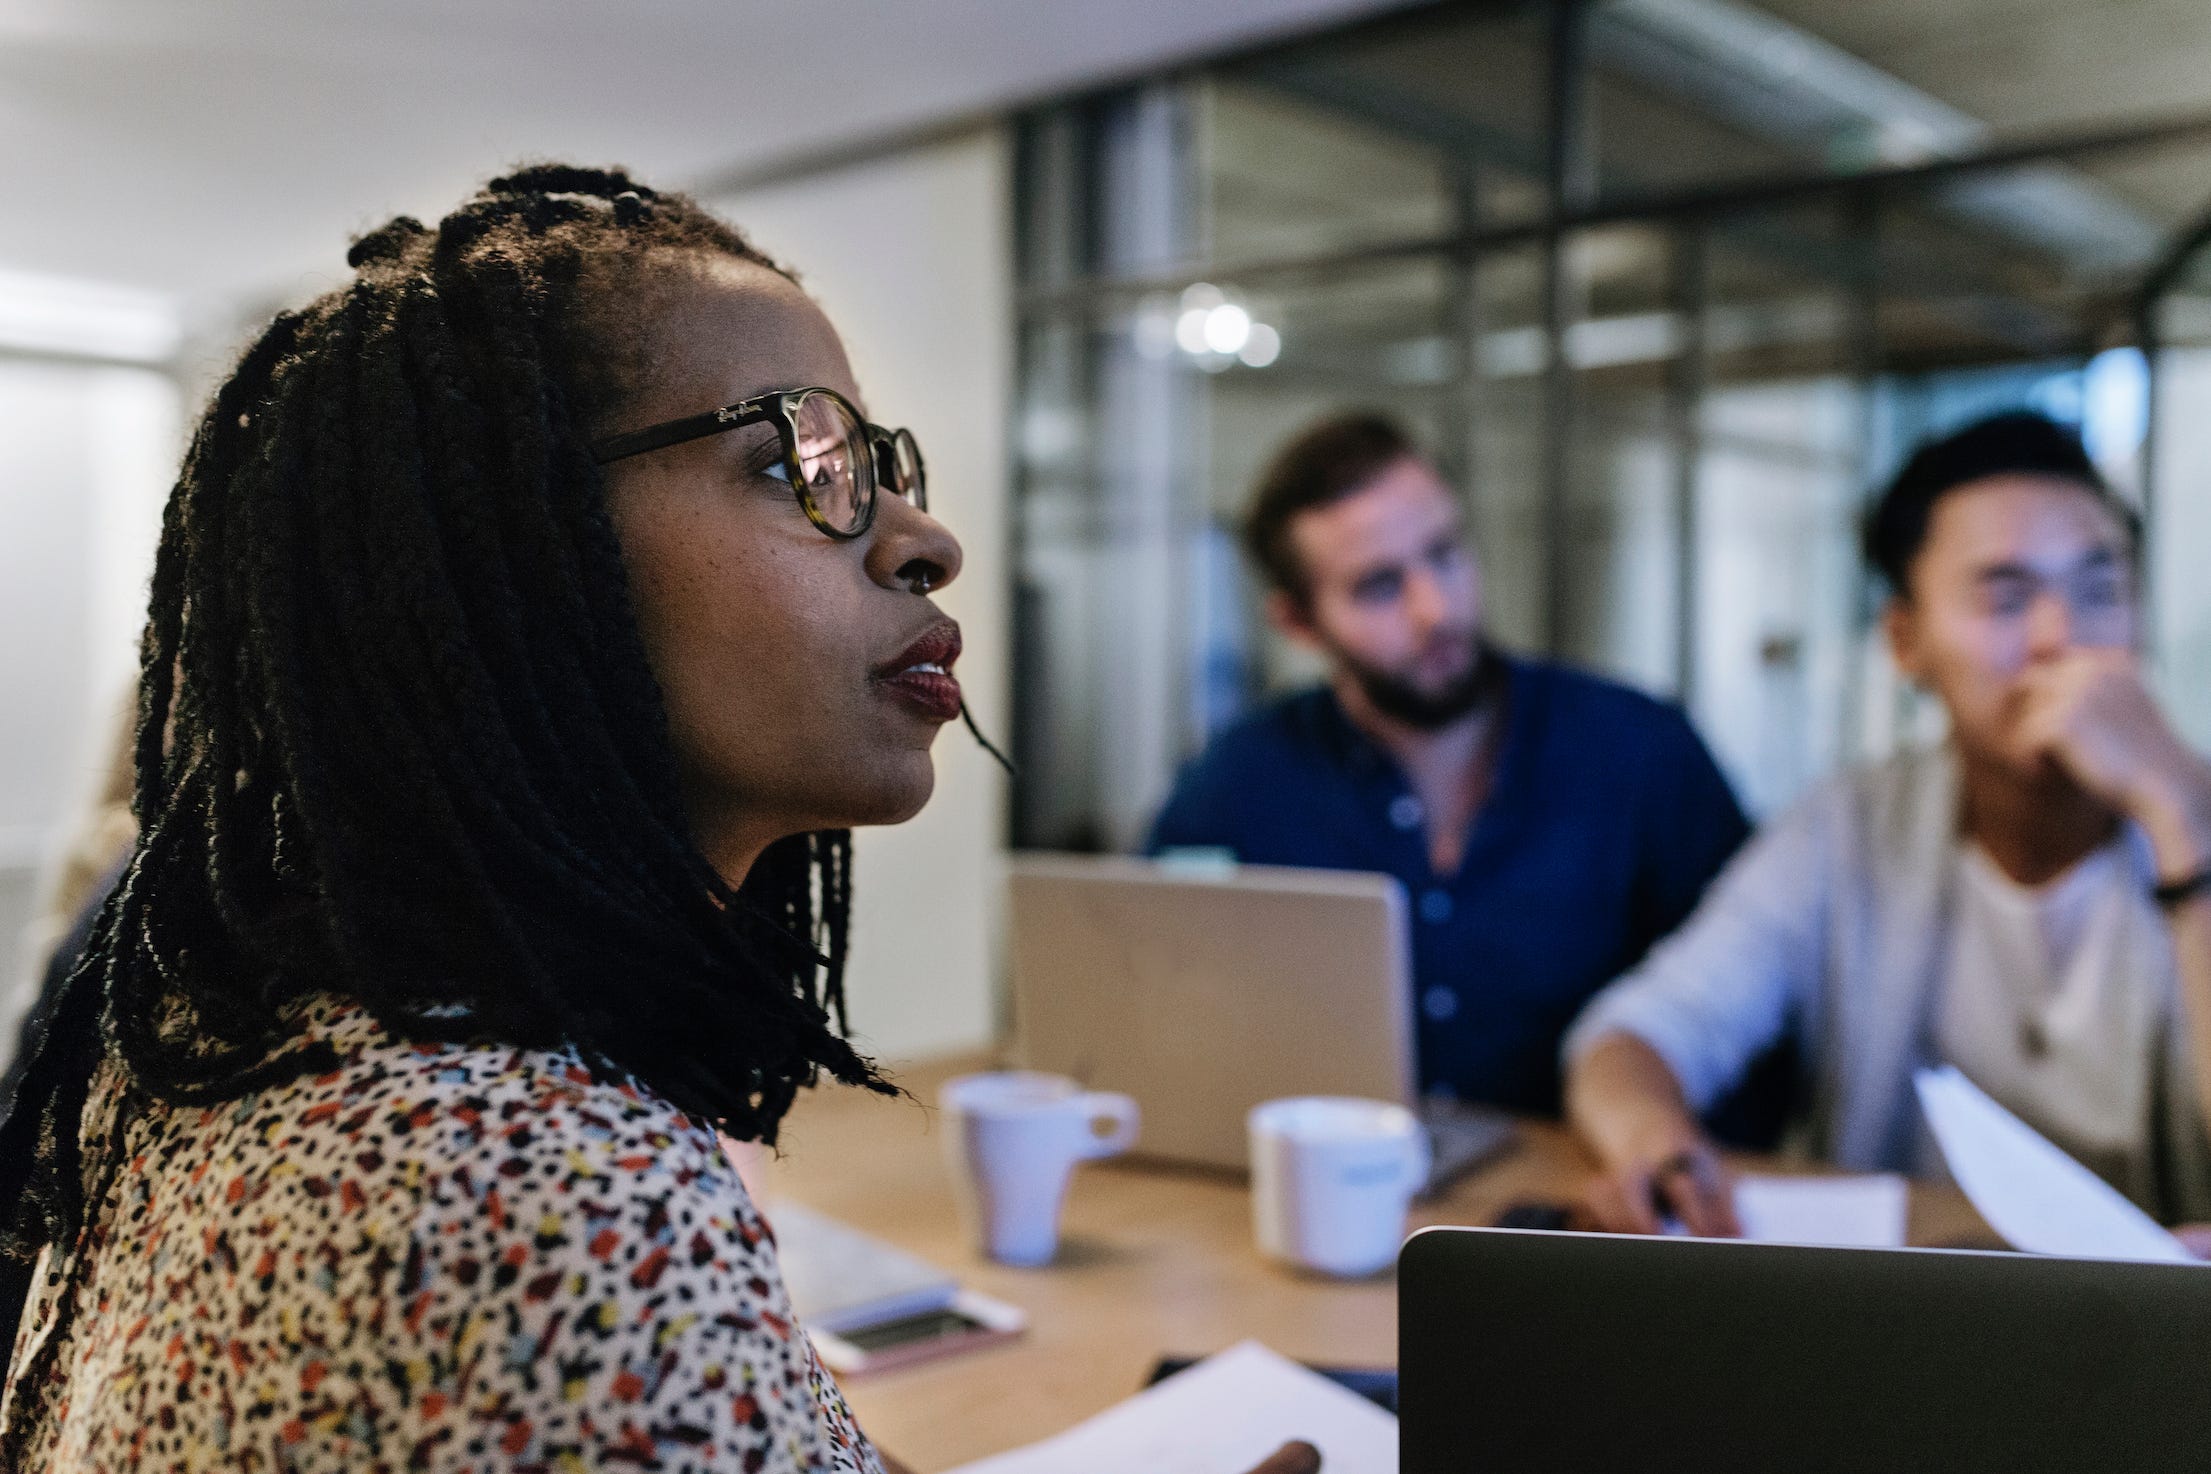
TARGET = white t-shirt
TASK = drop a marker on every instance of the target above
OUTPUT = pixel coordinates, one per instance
(2055, 1001)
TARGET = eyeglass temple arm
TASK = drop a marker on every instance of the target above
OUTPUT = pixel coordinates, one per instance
(675, 432)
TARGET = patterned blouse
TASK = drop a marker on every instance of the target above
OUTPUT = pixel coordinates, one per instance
(436, 1257)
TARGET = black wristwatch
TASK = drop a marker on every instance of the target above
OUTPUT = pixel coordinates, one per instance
(2171, 893)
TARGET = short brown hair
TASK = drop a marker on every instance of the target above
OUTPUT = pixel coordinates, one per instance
(1324, 463)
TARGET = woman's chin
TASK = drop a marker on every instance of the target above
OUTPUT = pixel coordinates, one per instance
(899, 788)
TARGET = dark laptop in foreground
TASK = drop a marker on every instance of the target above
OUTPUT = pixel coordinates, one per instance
(1540, 1353)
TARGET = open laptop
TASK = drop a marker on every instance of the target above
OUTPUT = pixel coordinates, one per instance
(1548, 1352)
(1204, 989)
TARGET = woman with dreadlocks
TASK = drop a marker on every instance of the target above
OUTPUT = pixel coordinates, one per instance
(533, 616)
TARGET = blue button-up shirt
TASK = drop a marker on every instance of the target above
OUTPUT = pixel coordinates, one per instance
(1605, 820)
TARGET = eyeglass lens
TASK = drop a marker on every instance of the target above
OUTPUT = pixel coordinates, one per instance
(905, 469)
(832, 446)
(840, 461)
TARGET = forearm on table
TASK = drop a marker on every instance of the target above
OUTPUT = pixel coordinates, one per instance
(1625, 1101)
(2191, 931)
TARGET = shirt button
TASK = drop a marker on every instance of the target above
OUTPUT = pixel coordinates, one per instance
(1406, 812)
(1435, 907)
(1439, 1003)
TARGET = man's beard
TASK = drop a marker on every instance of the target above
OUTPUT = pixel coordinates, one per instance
(1427, 709)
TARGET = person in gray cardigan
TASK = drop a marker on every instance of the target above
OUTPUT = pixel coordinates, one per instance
(2030, 902)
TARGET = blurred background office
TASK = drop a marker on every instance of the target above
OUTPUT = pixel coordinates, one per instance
(1666, 285)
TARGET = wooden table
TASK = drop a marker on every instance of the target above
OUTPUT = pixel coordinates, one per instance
(1153, 1262)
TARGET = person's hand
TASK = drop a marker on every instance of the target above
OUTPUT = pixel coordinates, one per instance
(1681, 1178)
(1297, 1457)
(2089, 713)
(1654, 1162)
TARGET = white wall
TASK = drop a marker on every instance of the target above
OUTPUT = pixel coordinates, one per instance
(2181, 608)
(86, 458)
(1777, 556)
(910, 256)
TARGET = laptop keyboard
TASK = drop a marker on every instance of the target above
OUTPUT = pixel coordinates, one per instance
(1460, 1138)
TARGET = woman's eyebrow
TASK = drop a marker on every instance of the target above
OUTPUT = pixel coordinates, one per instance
(753, 442)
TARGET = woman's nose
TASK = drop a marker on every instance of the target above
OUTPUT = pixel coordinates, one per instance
(908, 548)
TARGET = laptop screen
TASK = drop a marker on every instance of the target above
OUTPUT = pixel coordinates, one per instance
(1535, 1353)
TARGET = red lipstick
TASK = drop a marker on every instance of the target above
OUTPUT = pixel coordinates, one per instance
(921, 674)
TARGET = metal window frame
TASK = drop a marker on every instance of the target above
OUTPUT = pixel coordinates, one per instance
(1688, 216)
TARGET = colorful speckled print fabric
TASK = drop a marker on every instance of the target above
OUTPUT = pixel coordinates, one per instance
(437, 1257)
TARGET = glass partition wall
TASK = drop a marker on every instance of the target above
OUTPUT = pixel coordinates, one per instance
(1664, 285)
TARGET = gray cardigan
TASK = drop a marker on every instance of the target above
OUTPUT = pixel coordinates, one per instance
(1833, 923)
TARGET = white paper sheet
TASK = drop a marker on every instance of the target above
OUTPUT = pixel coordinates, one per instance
(1221, 1416)
(2036, 1196)
(1852, 1212)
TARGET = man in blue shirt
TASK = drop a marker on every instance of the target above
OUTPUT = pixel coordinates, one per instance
(1548, 826)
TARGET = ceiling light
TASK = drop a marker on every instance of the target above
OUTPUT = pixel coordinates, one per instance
(90, 319)
(1190, 330)
(1227, 328)
(1262, 348)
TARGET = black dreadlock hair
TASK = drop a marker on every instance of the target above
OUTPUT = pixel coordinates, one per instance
(397, 738)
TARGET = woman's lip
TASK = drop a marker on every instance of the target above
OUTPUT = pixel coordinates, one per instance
(939, 646)
(934, 694)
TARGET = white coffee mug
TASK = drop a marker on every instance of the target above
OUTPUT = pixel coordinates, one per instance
(1331, 1178)
(1012, 1138)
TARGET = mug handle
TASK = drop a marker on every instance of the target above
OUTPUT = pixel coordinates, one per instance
(1419, 1161)
(1118, 1109)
